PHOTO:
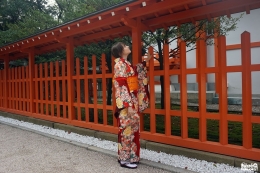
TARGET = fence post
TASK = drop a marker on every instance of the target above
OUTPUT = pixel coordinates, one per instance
(202, 89)
(246, 90)
(6, 87)
(183, 88)
(167, 94)
(104, 89)
(152, 93)
(70, 72)
(222, 90)
(31, 76)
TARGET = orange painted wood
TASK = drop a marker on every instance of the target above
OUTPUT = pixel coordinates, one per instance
(6, 86)
(115, 123)
(86, 89)
(16, 89)
(183, 91)
(78, 88)
(37, 91)
(51, 88)
(246, 90)
(41, 87)
(57, 69)
(10, 89)
(202, 90)
(239, 46)
(27, 86)
(256, 119)
(13, 88)
(216, 58)
(63, 89)
(104, 89)
(255, 67)
(101, 127)
(1, 89)
(24, 88)
(20, 87)
(70, 73)
(152, 92)
(46, 86)
(167, 95)
(223, 123)
(94, 86)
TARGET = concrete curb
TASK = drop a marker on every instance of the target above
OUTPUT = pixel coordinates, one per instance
(191, 153)
(103, 151)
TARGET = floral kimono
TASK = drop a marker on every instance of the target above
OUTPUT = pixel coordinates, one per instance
(132, 97)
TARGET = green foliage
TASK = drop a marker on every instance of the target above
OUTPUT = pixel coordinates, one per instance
(34, 21)
(14, 10)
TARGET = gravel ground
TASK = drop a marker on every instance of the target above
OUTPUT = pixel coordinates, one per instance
(32, 153)
(27, 152)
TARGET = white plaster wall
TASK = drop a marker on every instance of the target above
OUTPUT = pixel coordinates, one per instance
(251, 23)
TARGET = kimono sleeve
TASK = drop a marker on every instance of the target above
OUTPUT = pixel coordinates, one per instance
(122, 94)
(143, 92)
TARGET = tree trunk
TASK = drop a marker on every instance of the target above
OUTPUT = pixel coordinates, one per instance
(161, 77)
(109, 81)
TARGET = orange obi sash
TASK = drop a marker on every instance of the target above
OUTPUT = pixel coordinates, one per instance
(132, 82)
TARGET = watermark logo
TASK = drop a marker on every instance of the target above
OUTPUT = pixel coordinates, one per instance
(252, 167)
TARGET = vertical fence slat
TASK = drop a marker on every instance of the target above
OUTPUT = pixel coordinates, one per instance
(78, 88)
(57, 70)
(20, 87)
(51, 89)
(63, 89)
(104, 88)
(246, 90)
(6, 86)
(46, 88)
(94, 83)
(152, 92)
(113, 93)
(41, 87)
(31, 82)
(223, 124)
(202, 90)
(24, 91)
(86, 88)
(70, 83)
(27, 76)
(10, 88)
(183, 90)
(167, 94)
(13, 88)
(216, 58)
(36, 77)
(1, 89)
(17, 88)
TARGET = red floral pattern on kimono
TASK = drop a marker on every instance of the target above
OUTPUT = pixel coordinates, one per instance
(128, 105)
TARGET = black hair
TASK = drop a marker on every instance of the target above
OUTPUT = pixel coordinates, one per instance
(117, 49)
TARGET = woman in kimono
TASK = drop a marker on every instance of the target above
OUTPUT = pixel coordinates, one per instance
(132, 97)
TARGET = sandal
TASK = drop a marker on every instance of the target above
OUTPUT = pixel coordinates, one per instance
(133, 162)
(129, 165)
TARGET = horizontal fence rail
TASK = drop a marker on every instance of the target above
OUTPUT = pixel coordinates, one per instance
(93, 102)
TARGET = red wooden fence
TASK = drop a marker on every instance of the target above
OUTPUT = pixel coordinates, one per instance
(53, 85)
